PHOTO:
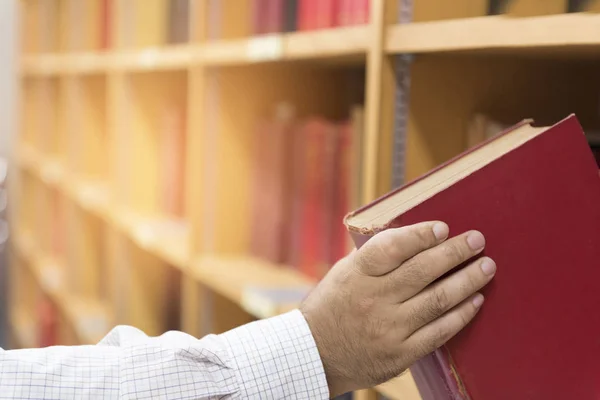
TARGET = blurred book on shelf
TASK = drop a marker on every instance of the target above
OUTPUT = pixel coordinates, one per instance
(304, 171)
(482, 127)
(172, 165)
(47, 321)
(276, 16)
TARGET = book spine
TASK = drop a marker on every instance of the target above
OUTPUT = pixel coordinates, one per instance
(344, 8)
(173, 162)
(257, 10)
(105, 24)
(343, 190)
(297, 188)
(362, 12)
(278, 20)
(324, 14)
(290, 10)
(303, 12)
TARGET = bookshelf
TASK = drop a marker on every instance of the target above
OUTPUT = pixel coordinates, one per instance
(110, 90)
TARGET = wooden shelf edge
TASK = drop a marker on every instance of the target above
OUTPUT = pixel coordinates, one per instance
(495, 33)
(402, 387)
(167, 239)
(342, 41)
(22, 326)
(241, 279)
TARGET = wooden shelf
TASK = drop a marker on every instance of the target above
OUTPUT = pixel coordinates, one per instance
(328, 43)
(23, 328)
(401, 388)
(575, 33)
(232, 276)
(90, 319)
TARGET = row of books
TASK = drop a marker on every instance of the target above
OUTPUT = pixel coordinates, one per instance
(427, 10)
(87, 25)
(304, 181)
(272, 16)
(482, 127)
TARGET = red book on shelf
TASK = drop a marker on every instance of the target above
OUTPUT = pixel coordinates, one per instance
(535, 194)
(270, 189)
(308, 14)
(325, 14)
(274, 16)
(344, 159)
(317, 196)
(172, 167)
(47, 315)
(258, 16)
(105, 22)
(343, 12)
(360, 12)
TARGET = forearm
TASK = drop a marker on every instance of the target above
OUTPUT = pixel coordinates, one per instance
(274, 358)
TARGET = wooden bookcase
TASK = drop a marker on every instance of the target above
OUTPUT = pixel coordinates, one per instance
(90, 232)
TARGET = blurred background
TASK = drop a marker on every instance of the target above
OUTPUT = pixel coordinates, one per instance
(187, 164)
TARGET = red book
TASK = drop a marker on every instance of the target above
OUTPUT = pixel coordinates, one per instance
(47, 322)
(274, 16)
(105, 22)
(172, 168)
(258, 16)
(344, 160)
(271, 182)
(360, 12)
(304, 15)
(344, 12)
(535, 195)
(325, 14)
(318, 163)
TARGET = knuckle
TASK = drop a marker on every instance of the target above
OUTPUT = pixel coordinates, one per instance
(425, 236)
(440, 300)
(439, 336)
(389, 247)
(365, 260)
(414, 272)
(365, 305)
(454, 252)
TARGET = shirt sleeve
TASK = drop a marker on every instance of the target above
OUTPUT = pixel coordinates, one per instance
(274, 358)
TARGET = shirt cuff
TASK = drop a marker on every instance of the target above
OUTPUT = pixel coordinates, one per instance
(277, 358)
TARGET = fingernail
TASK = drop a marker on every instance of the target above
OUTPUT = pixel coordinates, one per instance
(440, 230)
(488, 266)
(475, 240)
(478, 300)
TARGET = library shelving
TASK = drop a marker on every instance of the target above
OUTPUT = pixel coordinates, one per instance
(142, 139)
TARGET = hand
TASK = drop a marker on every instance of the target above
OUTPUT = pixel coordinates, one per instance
(379, 309)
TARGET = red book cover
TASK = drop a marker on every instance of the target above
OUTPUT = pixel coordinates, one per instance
(536, 336)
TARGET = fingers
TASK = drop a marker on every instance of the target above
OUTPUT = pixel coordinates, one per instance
(387, 250)
(426, 267)
(437, 299)
(437, 333)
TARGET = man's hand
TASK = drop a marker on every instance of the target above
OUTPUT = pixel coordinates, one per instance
(382, 307)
